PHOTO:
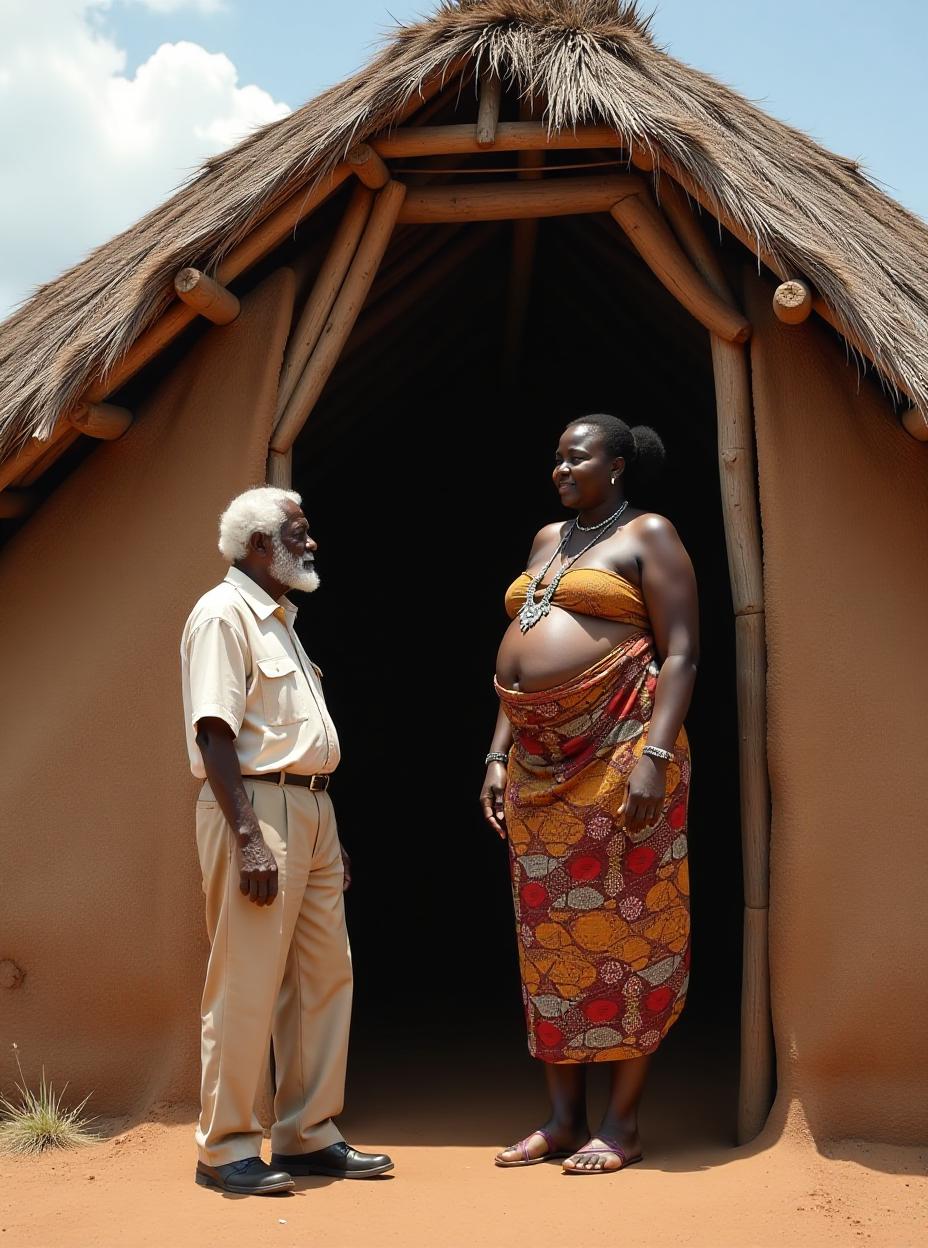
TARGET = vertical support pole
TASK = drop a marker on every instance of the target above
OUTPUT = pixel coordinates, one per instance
(742, 536)
(280, 469)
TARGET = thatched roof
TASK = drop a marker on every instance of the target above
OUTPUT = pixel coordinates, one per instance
(588, 62)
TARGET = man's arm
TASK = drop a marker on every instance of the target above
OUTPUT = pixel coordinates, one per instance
(257, 866)
(218, 662)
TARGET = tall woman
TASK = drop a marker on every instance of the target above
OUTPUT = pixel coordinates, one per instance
(588, 777)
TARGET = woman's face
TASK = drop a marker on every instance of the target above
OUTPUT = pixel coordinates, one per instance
(582, 470)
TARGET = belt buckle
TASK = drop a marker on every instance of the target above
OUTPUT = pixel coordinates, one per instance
(318, 783)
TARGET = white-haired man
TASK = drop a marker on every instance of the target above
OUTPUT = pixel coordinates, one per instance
(260, 737)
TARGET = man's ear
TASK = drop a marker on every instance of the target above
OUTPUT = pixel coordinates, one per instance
(260, 543)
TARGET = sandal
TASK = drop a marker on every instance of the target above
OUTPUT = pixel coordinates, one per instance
(553, 1154)
(613, 1148)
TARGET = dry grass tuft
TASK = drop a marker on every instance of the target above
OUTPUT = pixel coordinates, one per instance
(38, 1120)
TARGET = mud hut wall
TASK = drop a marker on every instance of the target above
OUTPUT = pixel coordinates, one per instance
(844, 506)
(102, 907)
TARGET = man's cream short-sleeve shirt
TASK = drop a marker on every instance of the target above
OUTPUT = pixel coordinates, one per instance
(242, 663)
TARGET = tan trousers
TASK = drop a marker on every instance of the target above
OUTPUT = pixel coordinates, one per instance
(282, 970)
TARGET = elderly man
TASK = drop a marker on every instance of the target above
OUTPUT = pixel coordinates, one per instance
(260, 737)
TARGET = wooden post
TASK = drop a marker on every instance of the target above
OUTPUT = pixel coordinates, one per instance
(693, 240)
(915, 423)
(742, 537)
(342, 317)
(653, 240)
(493, 201)
(511, 136)
(101, 420)
(280, 469)
(207, 297)
(792, 302)
(328, 283)
(491, 98)
(755, 1093)
(368, 166)
(524, 247)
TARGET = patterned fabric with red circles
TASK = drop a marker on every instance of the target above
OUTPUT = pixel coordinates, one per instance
(602, 916)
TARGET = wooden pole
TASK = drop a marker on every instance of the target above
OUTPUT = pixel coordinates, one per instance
(101, 420)
(280, 469)
(206, 296)
(328, 283)
(742, 536)
(491, 98)
(655, 243)
(259, 243)
(262, 240)
(487, 201)
(693, 240)
(755, 1093)
(792, 302)
(511, 136)
(342, 317)
(522, 264)
(368, 166)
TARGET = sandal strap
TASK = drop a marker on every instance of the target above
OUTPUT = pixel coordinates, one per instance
(611, 1147)
(522, 1145)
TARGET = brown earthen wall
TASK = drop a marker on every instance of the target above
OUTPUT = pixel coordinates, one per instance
(101, 903)
(844, 504)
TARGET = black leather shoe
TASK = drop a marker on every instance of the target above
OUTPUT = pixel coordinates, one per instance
(338, 1161)
(251, 1177)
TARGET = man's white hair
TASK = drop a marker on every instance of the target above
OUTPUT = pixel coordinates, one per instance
(259, 510)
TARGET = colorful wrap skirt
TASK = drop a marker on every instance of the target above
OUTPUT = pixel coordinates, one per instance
(602, 915)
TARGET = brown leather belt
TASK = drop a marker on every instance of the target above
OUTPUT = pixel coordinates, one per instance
(316, 784)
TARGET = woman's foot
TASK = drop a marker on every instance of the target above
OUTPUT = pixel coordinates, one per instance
(544, 1144)
(613, 1149)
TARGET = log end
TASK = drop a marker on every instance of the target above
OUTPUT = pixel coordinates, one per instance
(187, 280)
(915, 423)
(101, 420)
(792, 302)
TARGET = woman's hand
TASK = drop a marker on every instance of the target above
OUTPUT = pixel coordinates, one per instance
(491, 798)
(644, 794)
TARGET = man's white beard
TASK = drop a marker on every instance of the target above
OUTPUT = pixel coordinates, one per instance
(290, 571)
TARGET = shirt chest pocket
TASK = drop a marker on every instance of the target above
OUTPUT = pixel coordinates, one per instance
(283, 694)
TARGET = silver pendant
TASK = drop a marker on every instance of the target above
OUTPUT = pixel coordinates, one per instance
(531, 613)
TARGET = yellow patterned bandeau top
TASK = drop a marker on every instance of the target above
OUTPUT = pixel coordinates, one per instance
(587, 591)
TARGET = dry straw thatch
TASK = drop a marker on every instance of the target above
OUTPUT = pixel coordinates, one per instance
(588, 61)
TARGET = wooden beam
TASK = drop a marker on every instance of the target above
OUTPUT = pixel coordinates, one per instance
(490, 100)
(792, 302)
(756, 1079)
(666, 165)
(259, 243)
(368, 166)
(522, 263)
(487, 201)
(280, 469)
(511, 136)
(14, 504)
(655, 243)
(206, 296)
(742, 538)
(692, 237)
(342, 317)
(101, 420)
(915, 424)
(328, 283)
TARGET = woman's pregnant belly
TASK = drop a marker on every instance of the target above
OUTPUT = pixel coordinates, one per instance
(558, 648)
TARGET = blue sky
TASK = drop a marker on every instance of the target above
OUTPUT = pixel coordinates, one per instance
(107, 105)
(849, 72)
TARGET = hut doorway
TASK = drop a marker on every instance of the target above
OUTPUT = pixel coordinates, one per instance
(425, 470)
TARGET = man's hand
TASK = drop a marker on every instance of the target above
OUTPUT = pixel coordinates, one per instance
(257, 869)
(346, 863)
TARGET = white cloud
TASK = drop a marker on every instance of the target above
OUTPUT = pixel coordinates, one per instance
(172, 6)
(86, 150)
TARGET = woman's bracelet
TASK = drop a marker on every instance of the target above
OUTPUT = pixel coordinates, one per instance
(496, 756)
(655, 751)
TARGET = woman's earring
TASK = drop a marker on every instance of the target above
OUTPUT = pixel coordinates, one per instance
(613, 478)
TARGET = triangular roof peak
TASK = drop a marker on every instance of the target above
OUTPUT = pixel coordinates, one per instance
(807, 212)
